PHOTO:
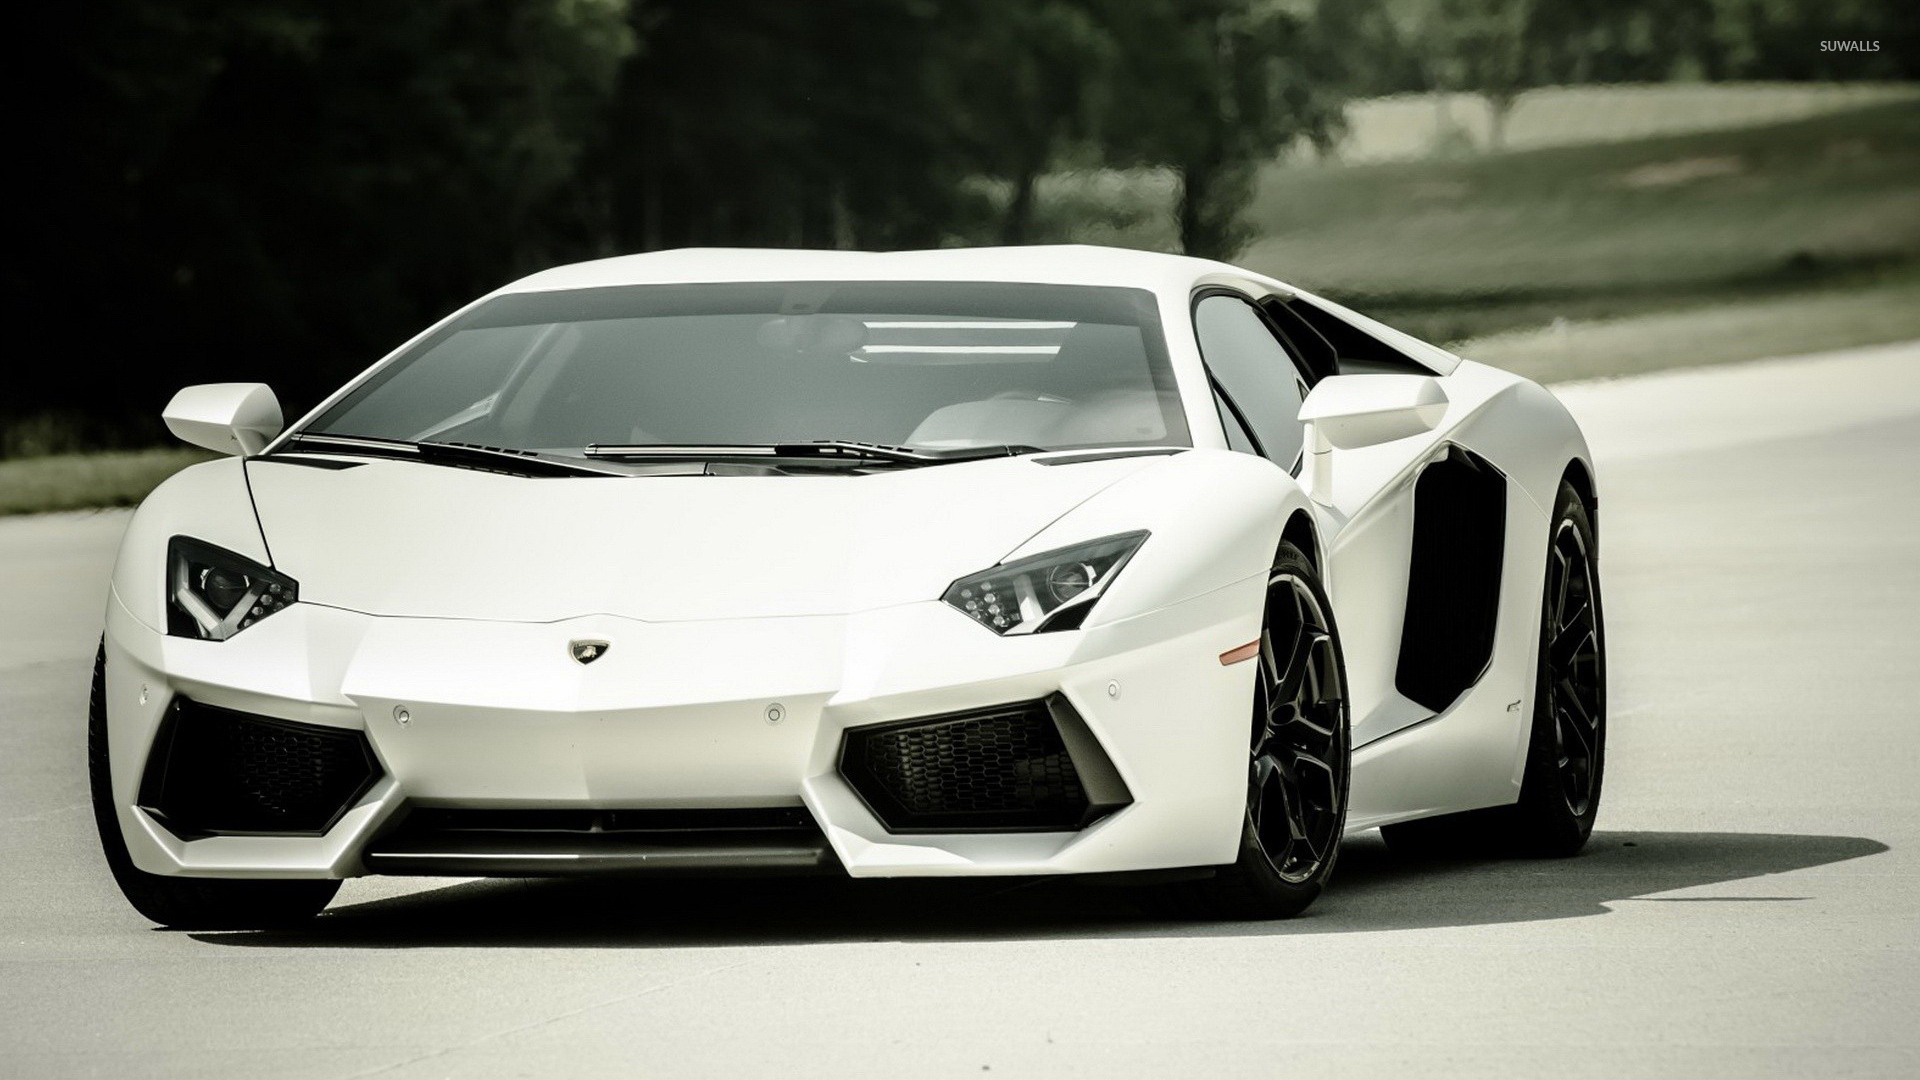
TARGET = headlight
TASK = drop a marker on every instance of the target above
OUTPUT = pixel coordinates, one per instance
(1050, 591)
(213, 594)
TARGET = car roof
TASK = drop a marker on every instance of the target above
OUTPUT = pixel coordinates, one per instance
(1061, 264)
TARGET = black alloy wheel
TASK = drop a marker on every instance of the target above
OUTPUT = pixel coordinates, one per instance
(1296, 798)
(1571, 677)
(1298, 758)
(1567, 751)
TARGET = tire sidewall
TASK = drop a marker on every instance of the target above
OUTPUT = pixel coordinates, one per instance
(1253, 864)
(1552, 826)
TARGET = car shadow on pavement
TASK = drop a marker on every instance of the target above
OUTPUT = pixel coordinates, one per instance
(1373, 889)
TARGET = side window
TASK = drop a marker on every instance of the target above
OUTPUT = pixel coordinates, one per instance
(1259, 379)
(1237, 438)
(1315, 353)
(1366, 347)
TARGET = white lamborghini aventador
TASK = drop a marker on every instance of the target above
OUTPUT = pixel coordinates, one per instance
(970, 562)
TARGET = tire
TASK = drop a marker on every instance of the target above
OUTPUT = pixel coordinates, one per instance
(1299, 760)
(186, 903)
(1566, 749)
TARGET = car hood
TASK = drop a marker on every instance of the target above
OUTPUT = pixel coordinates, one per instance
(414, 539)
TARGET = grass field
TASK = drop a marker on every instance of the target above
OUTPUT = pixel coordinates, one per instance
(1456, 249)
(1800, 322)
(1414, 126)
(1768, 217)
(81, 481)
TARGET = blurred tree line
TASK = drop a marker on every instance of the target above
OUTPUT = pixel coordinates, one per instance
(284, 189)
(1502, 48)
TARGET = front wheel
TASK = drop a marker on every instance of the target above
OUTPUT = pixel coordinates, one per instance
(188, 903)
(1298, 758)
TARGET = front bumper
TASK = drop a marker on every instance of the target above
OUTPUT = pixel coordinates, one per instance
(702, 715)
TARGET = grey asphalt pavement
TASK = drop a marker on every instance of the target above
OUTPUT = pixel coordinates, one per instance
(1750, 905)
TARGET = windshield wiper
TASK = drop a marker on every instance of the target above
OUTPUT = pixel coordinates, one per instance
(663, 451)
(906, 455)
(819, 448)
(457, 454)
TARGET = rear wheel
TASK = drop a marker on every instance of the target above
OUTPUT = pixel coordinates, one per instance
(1298, 758)
(189, 903)
(1566, 752)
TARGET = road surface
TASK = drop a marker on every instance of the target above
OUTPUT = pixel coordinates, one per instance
(1750, 905)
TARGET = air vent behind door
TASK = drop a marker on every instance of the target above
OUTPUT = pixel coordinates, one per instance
(1453, 586)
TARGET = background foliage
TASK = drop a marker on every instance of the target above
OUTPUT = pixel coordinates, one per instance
(284, 190)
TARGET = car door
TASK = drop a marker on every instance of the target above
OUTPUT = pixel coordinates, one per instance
(1436, 560)
(1421, 541)
(1413, 523)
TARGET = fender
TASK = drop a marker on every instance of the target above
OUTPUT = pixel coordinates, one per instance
(209, 502)
(1216, 518)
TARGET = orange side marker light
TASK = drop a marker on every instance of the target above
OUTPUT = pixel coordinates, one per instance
(1245, 652)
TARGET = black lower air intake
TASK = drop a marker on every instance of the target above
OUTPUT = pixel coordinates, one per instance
(1027, 767)
(215, 772)
(556, 841)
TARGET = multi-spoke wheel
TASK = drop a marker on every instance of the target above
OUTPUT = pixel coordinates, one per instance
(1298, 757)
(1296, 798)
(1560, 795)
(1566, 754)
(1570, 682)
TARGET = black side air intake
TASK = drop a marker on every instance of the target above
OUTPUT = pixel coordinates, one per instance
(216, 772)
(1453, 587)
(1026, 767)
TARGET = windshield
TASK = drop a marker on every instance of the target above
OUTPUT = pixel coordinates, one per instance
(934, 365)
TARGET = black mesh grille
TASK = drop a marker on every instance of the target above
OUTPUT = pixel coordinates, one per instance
(216, 771)
(998, 769)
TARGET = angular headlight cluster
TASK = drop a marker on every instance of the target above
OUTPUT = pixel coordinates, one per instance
(213, 594)
(1050, 591)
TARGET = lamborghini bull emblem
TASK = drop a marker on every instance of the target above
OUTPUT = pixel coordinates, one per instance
(585, 651)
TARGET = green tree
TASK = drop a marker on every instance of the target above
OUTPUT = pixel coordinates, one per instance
(1026, 81)
(1490, 47)
(1606, 41)
(770, 122)
(284, 189)
(288, 188)
(1212, 90)
(1780, 39)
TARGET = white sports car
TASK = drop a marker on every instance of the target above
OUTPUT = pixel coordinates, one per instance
(940, 563)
